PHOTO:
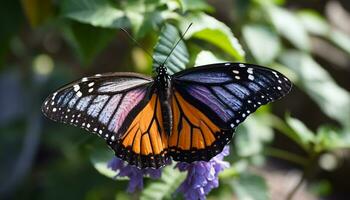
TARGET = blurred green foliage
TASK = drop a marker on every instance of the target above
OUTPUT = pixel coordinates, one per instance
(69, 38)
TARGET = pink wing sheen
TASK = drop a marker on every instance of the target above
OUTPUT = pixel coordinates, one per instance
(109, 109)
(130, 100)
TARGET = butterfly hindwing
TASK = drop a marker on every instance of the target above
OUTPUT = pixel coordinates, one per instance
(194, 136)
(225, 94)
(145, 143)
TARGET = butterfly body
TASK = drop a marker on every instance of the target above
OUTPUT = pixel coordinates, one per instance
(162, 82)
(188, 116)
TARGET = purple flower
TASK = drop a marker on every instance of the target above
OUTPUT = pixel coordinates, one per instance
(202, 176)
(135, 174)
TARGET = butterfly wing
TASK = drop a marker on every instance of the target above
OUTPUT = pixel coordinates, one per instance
(209, 102)
(113, 107)
(145, 143)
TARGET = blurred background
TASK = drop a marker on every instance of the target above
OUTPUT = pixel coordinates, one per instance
(295, 148)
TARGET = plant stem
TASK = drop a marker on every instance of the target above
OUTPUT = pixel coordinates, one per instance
(297, 186)
(285, 155)
(309, 170)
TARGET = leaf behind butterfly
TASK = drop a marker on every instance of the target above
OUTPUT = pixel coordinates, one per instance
(179, 57)
(165, 187)
(101, 13)
(100, 157)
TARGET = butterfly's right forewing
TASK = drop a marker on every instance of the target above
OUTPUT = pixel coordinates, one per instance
(209, 102)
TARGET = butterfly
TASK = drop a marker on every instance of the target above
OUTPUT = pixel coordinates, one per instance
(188, 116)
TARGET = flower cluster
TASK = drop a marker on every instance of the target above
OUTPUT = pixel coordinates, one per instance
(135, 174)
(201, 178)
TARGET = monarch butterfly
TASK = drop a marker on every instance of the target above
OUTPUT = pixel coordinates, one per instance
(188, 116)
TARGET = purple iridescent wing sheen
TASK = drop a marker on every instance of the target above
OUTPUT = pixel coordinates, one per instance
(102, 104)
(208, 103)
(228, 92)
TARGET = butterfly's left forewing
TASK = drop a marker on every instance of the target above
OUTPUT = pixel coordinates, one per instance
(117, 107)
(213, 100)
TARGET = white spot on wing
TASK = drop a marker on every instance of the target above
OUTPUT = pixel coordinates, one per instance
(79, 94)
(250, 70)
(251, 77)
(76, 87)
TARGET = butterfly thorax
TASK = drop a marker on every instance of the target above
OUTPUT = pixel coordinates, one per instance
(162, 82)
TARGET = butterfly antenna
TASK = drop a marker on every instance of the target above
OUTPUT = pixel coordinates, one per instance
(138, 44)
(181, 38)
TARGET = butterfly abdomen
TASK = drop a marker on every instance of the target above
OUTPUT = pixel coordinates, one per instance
(167, 116)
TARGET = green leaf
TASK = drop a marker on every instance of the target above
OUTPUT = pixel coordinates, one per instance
(322, 188)
(100, 13)
(290, 26)
(188, 5)
(328, 139)
(250, 187)
(178, 58)
(165, 186)
(268, 2)
(319, 85)
(317, 24)
(209, 29)
(314, 22)
(144, 16)
(99, 157)
(300, 134)
(89, 41)
(340, 39)
(206, 58)
(151, 21)
(252, 135)
(259, 37)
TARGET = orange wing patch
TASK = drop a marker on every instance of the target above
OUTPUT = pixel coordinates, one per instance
(145, 143)
(194, 136)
